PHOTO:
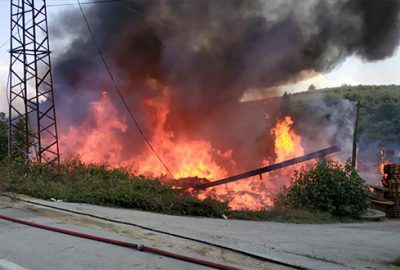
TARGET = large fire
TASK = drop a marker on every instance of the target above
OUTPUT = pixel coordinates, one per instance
(287, 141)
(96, 140)
(185, 157)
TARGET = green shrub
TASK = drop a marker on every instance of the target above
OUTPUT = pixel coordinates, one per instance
(327, 187)
(396, 262)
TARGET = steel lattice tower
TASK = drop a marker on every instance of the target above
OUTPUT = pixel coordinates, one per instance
(32, 117)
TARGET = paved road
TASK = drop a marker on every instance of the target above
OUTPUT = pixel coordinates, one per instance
(23, 247)
(368, 245)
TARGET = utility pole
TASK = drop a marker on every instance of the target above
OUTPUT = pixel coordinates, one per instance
(355, 137)
(32, 117)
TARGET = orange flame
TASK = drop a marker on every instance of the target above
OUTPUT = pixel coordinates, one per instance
(287, 141)
(94, 141)
(257, 193)
(97, 140)
(383, 162)
(184, 157)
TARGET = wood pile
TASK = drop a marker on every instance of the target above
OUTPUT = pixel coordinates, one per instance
(391, 181)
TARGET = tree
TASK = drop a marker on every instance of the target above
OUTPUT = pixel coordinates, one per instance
(311, 87)
(19, 136)
(3, 136)
(22, 143)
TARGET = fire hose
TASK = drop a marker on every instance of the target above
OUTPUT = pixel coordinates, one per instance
(134, 246)
(239, 251)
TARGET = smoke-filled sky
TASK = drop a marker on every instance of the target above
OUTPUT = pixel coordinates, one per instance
(203, 57)
(184, 66)
(339, 45)
(214, 53)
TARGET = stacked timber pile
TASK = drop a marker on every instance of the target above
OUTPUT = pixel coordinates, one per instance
(391, 181)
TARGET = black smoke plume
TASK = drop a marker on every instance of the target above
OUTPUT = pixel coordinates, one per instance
(210, 52)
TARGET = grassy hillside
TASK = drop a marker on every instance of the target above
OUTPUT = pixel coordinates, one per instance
(379, 111)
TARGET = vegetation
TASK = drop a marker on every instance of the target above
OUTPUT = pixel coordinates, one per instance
(328, 192)
(96, 184)
(328, 187)
(380, 107)
(77, 182)
(3, 137)
(396, 262)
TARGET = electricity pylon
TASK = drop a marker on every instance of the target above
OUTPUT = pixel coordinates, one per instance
(32, 117)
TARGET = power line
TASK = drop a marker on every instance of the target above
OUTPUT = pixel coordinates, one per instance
(65, 4)
(83, 3)
(119, 92)
(4, 43)
(7, 87)
(145, 16)
(105, 63)
(118, 2)
(183, 33)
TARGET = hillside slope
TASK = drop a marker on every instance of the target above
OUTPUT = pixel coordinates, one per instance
(379, 111)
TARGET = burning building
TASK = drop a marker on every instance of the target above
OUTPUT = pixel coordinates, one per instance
(183, 67)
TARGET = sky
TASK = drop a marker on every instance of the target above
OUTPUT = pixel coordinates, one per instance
(352, 71)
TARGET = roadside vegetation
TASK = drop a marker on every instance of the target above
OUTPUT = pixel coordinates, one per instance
(328, 187)
(328, 192)
(324, 194)
(96, 184)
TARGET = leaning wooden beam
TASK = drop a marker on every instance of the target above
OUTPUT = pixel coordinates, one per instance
(319, 154)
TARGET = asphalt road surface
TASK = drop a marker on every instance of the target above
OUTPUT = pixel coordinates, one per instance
(366, 245)
(23, 247)
(28, 248)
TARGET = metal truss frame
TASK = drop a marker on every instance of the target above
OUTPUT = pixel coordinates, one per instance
(32, 116)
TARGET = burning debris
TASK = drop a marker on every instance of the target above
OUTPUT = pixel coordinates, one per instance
(183, 68)
(315, 155)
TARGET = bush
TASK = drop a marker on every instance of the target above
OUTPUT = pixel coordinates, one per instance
(327, 187)
(396, 262)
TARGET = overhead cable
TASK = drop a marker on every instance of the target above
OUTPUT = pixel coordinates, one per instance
(116, 88)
